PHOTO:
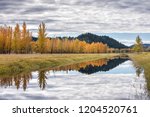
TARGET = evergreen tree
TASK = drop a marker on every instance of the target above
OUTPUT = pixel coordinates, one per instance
(138, 47)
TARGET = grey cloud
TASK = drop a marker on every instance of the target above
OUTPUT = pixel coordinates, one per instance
(13, 2)
(12, 6)
(38, 9)
(55, 30)
(8, 4)
(133, 5)
(78, 15)
(30, 21)
(48, 1)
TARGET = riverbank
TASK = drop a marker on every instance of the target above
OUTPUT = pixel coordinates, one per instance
(17, 63)
(143, 60)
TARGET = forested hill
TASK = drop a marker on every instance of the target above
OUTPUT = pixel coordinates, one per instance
(89, 38)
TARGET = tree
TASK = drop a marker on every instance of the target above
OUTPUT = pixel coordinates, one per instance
(9, 40)
(16, 39)
(26, 39)
(41, 38)
(20, 41)
(138, 47)
(5, 39)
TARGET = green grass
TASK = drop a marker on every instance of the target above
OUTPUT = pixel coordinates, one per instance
(143, 60)
(17, 63)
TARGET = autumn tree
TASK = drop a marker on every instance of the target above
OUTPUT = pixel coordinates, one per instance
(41, 38)
(16, 38)
(5, 39)
(2, 39)
(9, 40)
(20, 41)
(26, 39)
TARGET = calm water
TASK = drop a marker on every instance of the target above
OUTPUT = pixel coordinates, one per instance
(102, 79)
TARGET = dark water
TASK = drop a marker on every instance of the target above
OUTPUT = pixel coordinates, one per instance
(115, 78)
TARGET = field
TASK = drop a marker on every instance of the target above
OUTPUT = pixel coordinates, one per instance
(17, 63)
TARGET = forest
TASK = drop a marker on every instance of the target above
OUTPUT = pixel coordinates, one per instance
(18, 40)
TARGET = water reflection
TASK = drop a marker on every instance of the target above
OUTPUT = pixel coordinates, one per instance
(110, 64)
(90, 67)
(42, 79)
(141, 73)
(21, 80)
(139, 70)
(101, 79)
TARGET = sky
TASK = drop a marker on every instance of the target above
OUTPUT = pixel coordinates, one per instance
(123, 19)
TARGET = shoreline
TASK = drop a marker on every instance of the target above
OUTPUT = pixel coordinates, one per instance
(18, 63)
(142, 60)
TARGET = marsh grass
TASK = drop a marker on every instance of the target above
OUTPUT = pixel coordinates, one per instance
(17, 63)
(143, 60)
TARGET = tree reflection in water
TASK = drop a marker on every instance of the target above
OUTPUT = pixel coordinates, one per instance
(140, 95)
(140, 70)
(22, 80)
(42, 79)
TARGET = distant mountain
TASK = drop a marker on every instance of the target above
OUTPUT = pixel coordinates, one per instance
(112, 43)
(34, 38)
(144, 45)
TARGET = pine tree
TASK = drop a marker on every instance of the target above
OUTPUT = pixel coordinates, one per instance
(138, 47)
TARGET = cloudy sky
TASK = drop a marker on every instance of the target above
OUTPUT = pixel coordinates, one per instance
(73, 17)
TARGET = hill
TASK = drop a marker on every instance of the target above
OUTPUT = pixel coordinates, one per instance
(34, 38)
(144, 45)
(89, 38)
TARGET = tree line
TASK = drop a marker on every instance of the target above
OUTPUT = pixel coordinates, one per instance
(15, 40)
(19, 40)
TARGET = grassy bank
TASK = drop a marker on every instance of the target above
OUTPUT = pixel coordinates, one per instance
(17, 63)
(143, 60)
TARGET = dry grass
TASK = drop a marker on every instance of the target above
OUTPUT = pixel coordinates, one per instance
(143, 60)
(16, 63)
